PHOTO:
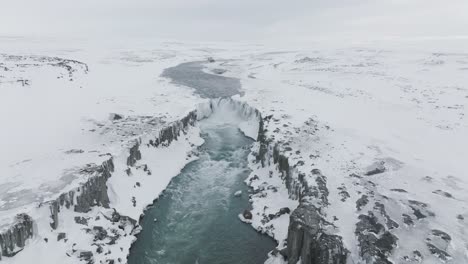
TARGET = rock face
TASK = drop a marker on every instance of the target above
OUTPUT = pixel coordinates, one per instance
(114, 116)
(172, 132)
(135, 154)
(247, 214)
(91, 193)
(375, 242)
(308, 242)
(14, 238)
(94, 191)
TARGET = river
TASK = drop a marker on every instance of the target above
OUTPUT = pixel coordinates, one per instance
(196, 219)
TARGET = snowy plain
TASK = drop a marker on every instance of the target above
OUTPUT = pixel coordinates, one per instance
(344, 110)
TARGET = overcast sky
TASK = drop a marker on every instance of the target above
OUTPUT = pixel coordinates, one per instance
(234, 19)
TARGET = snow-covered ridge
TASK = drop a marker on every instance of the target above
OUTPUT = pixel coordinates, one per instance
(384, 130)
(11, 65)
(285, 205)
(97, 221)
(396, 190)
(96, 207)
(15, 236)
(289, 208)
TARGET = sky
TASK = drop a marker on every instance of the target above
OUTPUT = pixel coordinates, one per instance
(232, 20)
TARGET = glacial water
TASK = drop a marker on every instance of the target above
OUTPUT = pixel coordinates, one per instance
(196, 219)
(206, 85)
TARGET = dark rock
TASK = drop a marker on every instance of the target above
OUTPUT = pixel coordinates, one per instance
(54, 210)
(441, 254)
(427, 178)
(282, 211)
(81, 220)
(443, 193)
(115, 216)
(420, 209)
(390, 223)
(126, 221)
(273, 188)
(442, 235)
(416, 257)
(375, 243)
(407, 220)
(86, 256)
(135, 154)
(99, 249)
(284, 252)
(322, 190)
(369, 223)
(114, 117)
(418, 213)
(438, 242)
(398, 190)
(254, 178)
(94, 191)
(306, 240)
(99, 233)
(343, 193)
(386, 243)
(361, 202)
(354, 175)
(74, 151)
(61, 236)
(247, 214)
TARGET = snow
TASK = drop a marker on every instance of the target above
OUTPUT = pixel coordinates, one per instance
(347, 109)
(341, 109)
(54, 114)
(405, 108)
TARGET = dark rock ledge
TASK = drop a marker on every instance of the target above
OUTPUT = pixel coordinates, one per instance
(307, 239)
(14, 238)
(91, 193)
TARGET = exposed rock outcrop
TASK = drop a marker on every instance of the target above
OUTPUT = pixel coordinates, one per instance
(135, 154)
(13, 239)
(93, 192)
(308, 242)
(375, 242)
(172, 132)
